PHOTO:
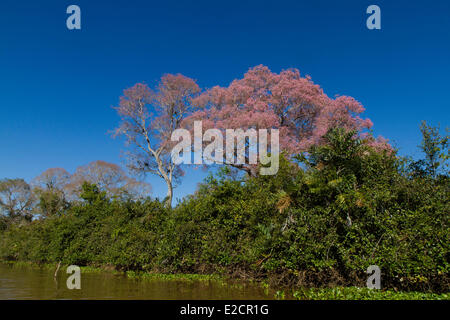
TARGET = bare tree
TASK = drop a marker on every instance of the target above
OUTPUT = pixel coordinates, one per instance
(148, 118)
(108, 177)
(51, 179)
(50, 187)
(16, 199)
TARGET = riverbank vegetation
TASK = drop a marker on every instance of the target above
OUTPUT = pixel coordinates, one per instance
(319, 222)
(335, 293)
(341, 200)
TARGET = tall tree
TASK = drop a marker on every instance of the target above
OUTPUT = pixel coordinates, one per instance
(110, 178)
(295, 105)
(16, 199)
(51, 179)
(435, 147)
(148, 118)
(50, 188)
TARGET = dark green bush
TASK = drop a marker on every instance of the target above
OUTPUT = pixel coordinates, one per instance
(321, 220)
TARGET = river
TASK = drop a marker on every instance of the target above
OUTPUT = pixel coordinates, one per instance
(39, 283)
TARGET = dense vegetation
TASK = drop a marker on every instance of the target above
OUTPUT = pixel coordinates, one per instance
(321, 221)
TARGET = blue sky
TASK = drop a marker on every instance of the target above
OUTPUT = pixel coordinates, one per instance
(57, 86)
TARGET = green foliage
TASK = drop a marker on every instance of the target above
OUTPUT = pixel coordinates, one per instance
(436, 150)
(322, 220)
(50, 202)
(354, 293)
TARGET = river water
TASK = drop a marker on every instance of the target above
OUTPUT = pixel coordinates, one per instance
(39, 283)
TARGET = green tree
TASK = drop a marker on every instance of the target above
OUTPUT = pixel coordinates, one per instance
(435, 147)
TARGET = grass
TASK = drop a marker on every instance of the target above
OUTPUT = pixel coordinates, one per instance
(176, 276)
(354, 293)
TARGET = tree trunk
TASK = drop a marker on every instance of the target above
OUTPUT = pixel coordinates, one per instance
(167, 176)
(57, 269)
(169, 194)
(252, 171)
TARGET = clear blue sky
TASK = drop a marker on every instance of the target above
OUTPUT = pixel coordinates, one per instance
(57, 86)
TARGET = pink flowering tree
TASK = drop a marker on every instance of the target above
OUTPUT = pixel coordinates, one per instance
(295, 105)
(148, 119)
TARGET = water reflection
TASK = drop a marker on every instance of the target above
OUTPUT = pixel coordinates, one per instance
(37, 283)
